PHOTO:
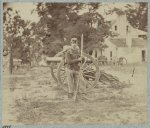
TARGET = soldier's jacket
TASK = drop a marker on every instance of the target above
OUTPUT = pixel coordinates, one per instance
(71, 59)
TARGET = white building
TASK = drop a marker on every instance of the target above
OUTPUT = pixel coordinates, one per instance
(130, 43)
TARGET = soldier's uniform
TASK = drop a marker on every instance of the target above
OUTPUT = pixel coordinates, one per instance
(73, 77)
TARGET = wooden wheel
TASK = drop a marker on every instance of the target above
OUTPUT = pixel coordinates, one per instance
(122, 61)
(53, 72)
(89, 70)
(53, 67)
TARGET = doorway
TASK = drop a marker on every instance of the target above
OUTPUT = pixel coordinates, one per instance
(143, 55)
(110, 55)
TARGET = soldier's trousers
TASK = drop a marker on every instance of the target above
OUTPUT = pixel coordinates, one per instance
(74, 78)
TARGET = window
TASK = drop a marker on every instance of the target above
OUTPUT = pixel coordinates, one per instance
(115, 27)
(143, 55)
(110, 53)
(127, 28)
(142, 36)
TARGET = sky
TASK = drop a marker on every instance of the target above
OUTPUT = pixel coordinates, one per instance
(26, 8)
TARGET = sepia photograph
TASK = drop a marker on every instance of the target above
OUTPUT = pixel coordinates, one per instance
(75, 63)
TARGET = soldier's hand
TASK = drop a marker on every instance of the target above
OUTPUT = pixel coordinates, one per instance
(82, 59)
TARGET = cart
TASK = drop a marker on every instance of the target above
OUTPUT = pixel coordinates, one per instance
(89, 69)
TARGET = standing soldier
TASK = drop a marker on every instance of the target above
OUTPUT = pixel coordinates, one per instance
(72, 60)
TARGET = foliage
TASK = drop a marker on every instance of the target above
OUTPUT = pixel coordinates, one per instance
(138, 16)
(59, 23)
(16, 33)
(63, 21)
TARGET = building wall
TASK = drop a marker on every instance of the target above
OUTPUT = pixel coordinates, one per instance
(111, 48)
(121, 23)
(110, 53)
(129, 53)
(133, 55)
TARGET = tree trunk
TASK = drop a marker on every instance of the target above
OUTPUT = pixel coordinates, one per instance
(11, 60)
(30, 57)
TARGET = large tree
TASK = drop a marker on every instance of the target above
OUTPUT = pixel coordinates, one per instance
(63, 20)
(15, 33)
(138, 16)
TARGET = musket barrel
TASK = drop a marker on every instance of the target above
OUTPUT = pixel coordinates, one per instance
(82, 45)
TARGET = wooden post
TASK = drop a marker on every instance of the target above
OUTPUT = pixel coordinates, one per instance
(11, 58)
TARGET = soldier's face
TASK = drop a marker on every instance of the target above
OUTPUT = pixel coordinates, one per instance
(74, 43)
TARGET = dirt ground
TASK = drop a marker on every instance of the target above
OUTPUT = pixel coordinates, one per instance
(31, 97)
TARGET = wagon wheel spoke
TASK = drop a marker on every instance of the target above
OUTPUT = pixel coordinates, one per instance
(88, 82)
(82, 64)
(88, 70)
(87, 67)
(63, 74)
(89, 79)
(89, 73)
(89, 76)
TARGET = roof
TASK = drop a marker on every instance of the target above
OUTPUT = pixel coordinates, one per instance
(138, 32)
(119, 42)
(136, 42)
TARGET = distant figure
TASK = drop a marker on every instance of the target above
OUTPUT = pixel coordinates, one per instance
(72, 60)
